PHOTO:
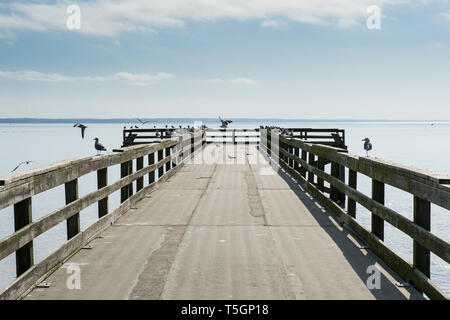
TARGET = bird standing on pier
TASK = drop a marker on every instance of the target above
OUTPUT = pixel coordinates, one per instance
(367, 145)
(98, 146)
(23, 163)
(225, 123)
(82, 127)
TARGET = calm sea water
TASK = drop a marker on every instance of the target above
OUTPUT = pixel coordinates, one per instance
(414, 143)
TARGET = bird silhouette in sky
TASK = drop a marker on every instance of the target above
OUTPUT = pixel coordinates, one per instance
(82, 127)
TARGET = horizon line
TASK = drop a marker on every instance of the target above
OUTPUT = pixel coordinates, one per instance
(31, 119)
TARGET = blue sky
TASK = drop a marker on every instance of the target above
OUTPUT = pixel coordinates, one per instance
(313, 59)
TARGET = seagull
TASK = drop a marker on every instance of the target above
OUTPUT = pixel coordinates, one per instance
(367, 145)
(24, 163)
(144, 122)
(225, 123)
(82, 127)
(98, 146)
(157, 134)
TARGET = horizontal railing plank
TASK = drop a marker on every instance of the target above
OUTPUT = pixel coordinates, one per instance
(425, 184)
(406, 270)
(18, 187)
(427, 239)
(23, 284)
(34, 229)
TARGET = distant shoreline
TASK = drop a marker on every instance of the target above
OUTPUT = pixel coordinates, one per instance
(162, 120)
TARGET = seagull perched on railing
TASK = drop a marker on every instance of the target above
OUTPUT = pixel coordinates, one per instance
(82, 127)
(98, 146)
(225, 123)
(367, 145)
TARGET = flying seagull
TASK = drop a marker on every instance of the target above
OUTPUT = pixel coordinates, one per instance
(225, 123)
(82, 127)
(367, 145)
(24, 163)
(98, 146)
(144, 122)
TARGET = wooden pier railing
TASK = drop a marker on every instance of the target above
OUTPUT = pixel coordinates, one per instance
(331, 137)
(233, 136)
(305, 162)
(18, 189)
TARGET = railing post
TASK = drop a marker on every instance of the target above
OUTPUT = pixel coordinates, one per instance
(161, 168)
(23, 217)
(422, 217)
(73, 223)
(192, 144)
(335, 172)
(139, 181)
(311, 157)
(151, 175)
(124, 191)
(102, 181)
(130, 171)
(296, 152)
(269, 143)
(378, 196)
(342, 178)
(302, 168)
(320, 181)
(167, 154)
(352, 182)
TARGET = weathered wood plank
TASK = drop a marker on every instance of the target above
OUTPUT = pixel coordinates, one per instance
(352, 182)
(378, 196)
(427, 239)
(151, 161)
(398, 264)
(425, 184)
(25, 184)
(26, 282)
(102, 181)
(160, 158)
(124, 191)
(18, 239)
(139, 166)
(73, 222)
(422, 217)
(23, 218)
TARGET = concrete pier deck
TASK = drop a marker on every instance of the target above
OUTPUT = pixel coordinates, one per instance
(225, 231)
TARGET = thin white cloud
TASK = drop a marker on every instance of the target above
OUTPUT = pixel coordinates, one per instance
(241, 80)
(141, 79)
(269, 23)
(28, 75)
(108, 18)
(446, 15)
